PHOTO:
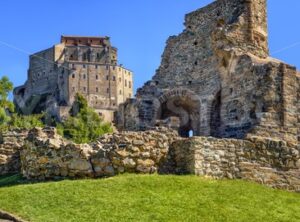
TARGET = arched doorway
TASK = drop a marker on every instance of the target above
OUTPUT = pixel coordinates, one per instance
(183, 105)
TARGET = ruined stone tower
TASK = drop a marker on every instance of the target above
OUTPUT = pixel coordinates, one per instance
(216, 79)
(85, 65)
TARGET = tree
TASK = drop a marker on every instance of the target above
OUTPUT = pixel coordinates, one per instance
(6, 87)
(10, 120)
(84, 125)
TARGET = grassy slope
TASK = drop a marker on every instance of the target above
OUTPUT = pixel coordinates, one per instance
(149, 198)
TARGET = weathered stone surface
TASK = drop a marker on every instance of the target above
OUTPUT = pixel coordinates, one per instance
(217, 79)
(10, 144)
(264, 160)
(46, 155)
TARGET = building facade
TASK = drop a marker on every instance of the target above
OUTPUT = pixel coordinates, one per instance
(85, 65)
(217, 79)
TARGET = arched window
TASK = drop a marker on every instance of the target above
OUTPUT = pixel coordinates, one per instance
(191, 133)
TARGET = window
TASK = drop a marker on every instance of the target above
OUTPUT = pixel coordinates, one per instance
(84, 89)
(120, 92)
(98, 55)
(129, 84)
(107, 90)
(120, 79)
(114, 78)
(84, 76)
(107, 77)
(73, 76)
(114, 67)
(96, 66)
(84, 66)
(125, 82)
(107, 67)
(97, 77)
(73, 66)
(84, 56)
(97, 90)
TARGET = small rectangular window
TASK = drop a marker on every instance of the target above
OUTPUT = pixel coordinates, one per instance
(125, 83)
(107, 90)
(129, 83)
(84, 89)
(97, 90)
(107, 77)
(114, 78)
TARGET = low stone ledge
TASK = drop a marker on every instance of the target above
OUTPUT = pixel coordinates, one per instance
(46, 155)
(264, 160)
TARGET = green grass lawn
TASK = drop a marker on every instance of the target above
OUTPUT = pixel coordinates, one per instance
(147, 198)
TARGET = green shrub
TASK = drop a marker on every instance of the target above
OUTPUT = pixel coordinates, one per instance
(26, 122)
(10, 120)
(84, 125)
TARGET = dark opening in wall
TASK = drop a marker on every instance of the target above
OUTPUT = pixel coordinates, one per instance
(215, 116)
(190, 82)
(196, 63)
(195, 43)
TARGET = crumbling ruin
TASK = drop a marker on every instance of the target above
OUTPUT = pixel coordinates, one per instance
(218, 79)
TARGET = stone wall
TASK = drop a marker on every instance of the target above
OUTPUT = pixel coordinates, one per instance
(267, 161)
(10, 144)
(46, 155)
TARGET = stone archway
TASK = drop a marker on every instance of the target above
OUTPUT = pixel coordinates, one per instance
(184, 105)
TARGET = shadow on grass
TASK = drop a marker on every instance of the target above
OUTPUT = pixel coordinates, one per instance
(12, 180)
(17, 179)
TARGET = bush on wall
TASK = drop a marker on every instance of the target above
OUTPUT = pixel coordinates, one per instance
(84, 124)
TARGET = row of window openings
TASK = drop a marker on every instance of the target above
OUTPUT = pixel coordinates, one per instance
(107, 78)
(97, 66)
(86, 57)
(97, 90)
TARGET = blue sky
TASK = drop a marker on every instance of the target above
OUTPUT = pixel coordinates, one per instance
(138, 28)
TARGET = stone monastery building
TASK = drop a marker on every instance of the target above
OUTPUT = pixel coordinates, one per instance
(88, 65)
